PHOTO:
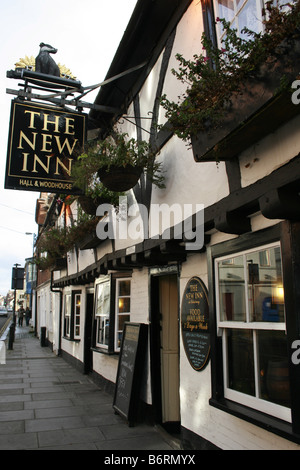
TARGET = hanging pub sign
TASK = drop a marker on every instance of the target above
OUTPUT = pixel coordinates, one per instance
(194, 323)
(43, 143)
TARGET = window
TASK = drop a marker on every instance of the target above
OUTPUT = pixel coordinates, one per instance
(77, 315)
(122, 308)
(72, 304)
(67, 315)
(102, 312)
(243, 13)
(240, 13)
(112, 310)
(251, 323)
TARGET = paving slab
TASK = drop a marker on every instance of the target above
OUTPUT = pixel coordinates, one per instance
(47, 404)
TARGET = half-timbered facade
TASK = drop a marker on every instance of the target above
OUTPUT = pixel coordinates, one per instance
(240, 239)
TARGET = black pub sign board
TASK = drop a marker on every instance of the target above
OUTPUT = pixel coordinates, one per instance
(130, 371)
(43, 143)
(195, 323)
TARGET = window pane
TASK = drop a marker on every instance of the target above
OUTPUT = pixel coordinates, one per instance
(265, 288)
(103, 330)
(248, 17)
(68, 304)
(103, 299)
(124, 305)
(232, 289)
(241, 361)
(124, 288)
(121, 320)
(273, 366)
(226, 9)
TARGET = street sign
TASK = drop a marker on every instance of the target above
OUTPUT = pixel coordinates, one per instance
(17, 278)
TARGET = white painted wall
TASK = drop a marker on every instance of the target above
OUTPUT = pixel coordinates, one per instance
(270, 153)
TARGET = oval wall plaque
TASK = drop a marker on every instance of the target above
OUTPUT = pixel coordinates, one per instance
(194, 323)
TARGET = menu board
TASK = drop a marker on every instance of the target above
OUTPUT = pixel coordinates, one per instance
(194, 323)
(130, 370)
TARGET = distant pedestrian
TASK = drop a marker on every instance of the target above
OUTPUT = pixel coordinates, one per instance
(27, 315)
(21, 312)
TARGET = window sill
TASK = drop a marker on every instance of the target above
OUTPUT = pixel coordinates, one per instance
(267, 422)
(74, 340)
(105, 351)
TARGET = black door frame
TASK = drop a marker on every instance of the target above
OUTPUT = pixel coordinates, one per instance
(88, 328)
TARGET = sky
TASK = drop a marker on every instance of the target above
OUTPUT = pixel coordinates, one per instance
(86, 34)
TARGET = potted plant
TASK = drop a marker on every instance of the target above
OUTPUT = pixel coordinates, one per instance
(120, 162)
(86, 179)
(227, 86)
(57, 241)
(55, 244)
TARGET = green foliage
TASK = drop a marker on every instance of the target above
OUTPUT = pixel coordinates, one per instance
(215, 75)
(57, 241)
(115, 150)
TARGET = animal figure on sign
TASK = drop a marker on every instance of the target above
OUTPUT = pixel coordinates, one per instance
(44, 62)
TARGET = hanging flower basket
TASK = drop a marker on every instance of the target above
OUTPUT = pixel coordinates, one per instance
(120, 178)
(89, 205)
(114, 165)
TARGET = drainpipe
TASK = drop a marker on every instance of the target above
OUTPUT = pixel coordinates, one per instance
(58, 291)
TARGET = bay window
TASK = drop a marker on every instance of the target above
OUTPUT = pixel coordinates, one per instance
(251, 322)
(112, 310)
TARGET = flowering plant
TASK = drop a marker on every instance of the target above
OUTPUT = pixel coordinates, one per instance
(214, 76)
(57, 241)
(117, 150)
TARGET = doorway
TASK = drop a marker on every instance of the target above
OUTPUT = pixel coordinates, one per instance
(165, 350)
(88, 353)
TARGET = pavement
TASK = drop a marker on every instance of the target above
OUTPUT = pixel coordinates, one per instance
(45, 403)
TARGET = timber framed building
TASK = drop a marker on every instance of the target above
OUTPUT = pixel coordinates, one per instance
(246, 396)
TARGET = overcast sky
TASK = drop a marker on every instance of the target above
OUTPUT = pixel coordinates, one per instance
(86, 34)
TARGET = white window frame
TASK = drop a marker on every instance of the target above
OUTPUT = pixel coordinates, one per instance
(102, 317)
(235, 20)
(67, 313)
(223, 327)
(118, 333)
(77, 309)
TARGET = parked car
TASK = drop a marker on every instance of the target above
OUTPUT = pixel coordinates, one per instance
(3, 312)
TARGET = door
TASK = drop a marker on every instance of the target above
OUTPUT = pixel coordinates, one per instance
(165, 350)
(169, 350)
(88, 353)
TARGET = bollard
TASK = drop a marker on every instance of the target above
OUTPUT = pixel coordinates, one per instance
(43, 336)
(11, 337)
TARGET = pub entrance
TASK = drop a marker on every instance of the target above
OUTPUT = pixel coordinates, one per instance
(164, 337)
(88, 354)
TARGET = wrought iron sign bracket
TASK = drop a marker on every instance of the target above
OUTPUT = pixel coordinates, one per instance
(62, 102)
(68, 87)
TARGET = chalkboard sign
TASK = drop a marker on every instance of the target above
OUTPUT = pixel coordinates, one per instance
(194, 323)
(130, 369)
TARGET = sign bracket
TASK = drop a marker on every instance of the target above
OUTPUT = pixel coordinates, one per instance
(62, 101)
(70, 87)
